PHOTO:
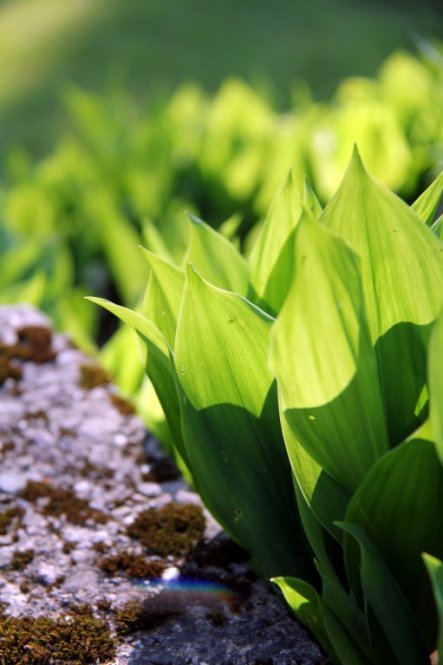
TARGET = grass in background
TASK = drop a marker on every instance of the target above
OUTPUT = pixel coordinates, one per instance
(157, 44)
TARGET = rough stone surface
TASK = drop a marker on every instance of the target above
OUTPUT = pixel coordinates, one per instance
(208, 607)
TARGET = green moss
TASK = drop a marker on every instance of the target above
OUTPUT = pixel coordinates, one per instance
(74, 640)
(174, 529)
(62, 502)
(134, 566)
(93, 375)
(104, 605)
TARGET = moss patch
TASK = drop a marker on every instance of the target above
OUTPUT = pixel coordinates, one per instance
(8, 369)
(174, 529)
(76, 639)
(9, 517)
(131, 564)
(33, 343)
(93, 375)
(122, 405)
(62, 501)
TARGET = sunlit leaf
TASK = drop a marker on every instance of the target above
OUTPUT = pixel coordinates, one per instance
(307, 605)
(119, 242)
(272, 259)
(426, 205)
(231, 427)
(154, 241)
(216, 259)
(163, 295)
(402, 279)
(158, 365)
(325, 366)
(435, 374)
(326, 498)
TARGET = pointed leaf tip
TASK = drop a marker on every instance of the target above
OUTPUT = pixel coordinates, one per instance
(356, 161)
(192, 274)
(194, 219)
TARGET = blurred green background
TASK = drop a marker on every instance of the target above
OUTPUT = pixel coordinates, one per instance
(153, 45)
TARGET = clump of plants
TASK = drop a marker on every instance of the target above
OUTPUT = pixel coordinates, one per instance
(303, 391)
(71, 223)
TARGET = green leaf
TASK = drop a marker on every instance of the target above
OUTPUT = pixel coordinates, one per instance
(437, 226)
(163, 295)
(310, 201)
(120, 245)
(158, 365)
(231, 226)
(435, 374)
(327, 499)
(216, 259)
(399, 507)
(435, 569)
(155, 242)
(402, 279)
(344, 643)
(19, 261)
(271, 260)
(231, 428)
(318, 537)
(385, 597)
(31, 291)
(426, 205)
(323, 360)
(314, 613)
(307, 605)
(121, 356)
(350, 638)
